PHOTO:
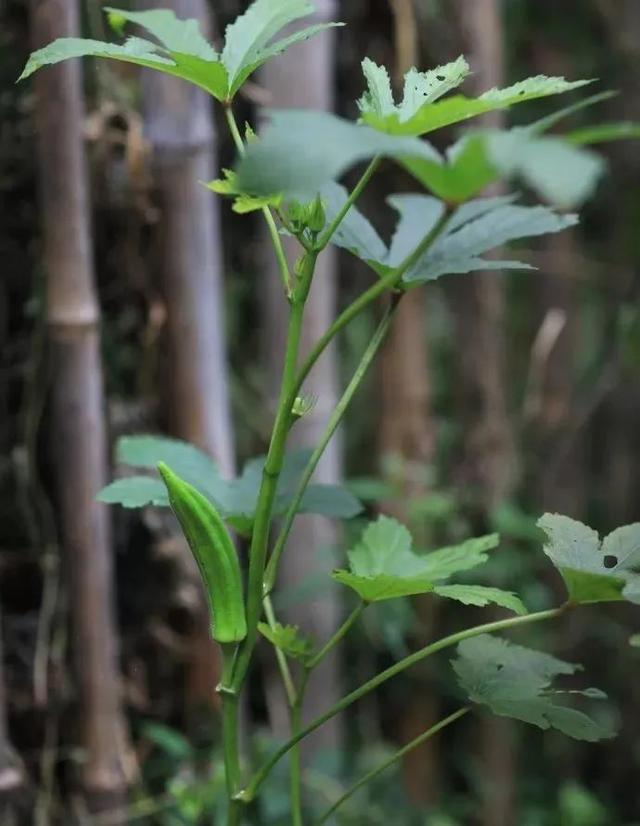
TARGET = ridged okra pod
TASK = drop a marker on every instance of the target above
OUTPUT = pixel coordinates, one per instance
(215, 553)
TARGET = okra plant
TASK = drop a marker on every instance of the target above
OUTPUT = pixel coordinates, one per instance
(291, 175)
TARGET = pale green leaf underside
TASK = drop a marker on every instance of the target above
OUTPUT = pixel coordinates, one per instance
(474, 229)
(235, 498)
(557, 169)
(135, 492)
(288, 639)
(421, 110)
(176, 35)
(594, 570)
(517, 682)
(182, 50)
(302, 151)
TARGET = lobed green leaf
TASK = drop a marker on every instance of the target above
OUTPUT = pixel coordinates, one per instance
(383, 566)
(421, 111)
(183, 51)
(516, 682)
(594, 570)
(288, 639)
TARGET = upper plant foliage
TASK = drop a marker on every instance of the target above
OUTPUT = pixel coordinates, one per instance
(421, 111)
(516, 682)
(302, 151)
(180, 49)
(594, 570)
(384, 566)
(235, 498)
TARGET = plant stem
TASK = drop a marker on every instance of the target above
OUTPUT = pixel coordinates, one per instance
(229, 699)
(272, 470)
(276, 241)
(231, 755)
(283, 665)
(295, 769)
(339, 635)
(389, 282)
(332, 425)
(500, 625)
(353, 197)
(369, 776)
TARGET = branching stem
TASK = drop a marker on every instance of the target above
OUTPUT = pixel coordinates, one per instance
(446, 642)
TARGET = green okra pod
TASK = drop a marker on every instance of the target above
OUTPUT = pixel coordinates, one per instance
(215, 554)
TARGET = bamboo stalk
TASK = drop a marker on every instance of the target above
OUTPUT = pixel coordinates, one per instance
(78, 444)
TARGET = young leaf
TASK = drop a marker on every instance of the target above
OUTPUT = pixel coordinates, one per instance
(481, 596)
(288, 639)
(516, 682)
(421, 111)
(594, 570)
(248, 40)
(420, 89)
(135, 492)
(301, 151)
(242, 203)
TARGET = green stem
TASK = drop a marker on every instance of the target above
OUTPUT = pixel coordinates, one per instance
(229, 699)
(272, 470)
(272, 227)
(283, 665)
(332, 425)
(231, 755)
(389, 282)
(295, 768)
(353, 197)
(500, 625)
(339, 635)
(367, 778)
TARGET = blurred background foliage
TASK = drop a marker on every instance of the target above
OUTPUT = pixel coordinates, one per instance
(569, 344)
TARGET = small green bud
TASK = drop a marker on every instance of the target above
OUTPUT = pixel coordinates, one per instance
(303, 405)
(316, 215)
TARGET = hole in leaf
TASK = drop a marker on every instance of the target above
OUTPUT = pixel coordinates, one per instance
(441, 77)
(610, 561)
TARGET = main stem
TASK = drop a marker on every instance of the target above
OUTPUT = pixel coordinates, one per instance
(272, 470)
(332, 426)
(500, 625)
